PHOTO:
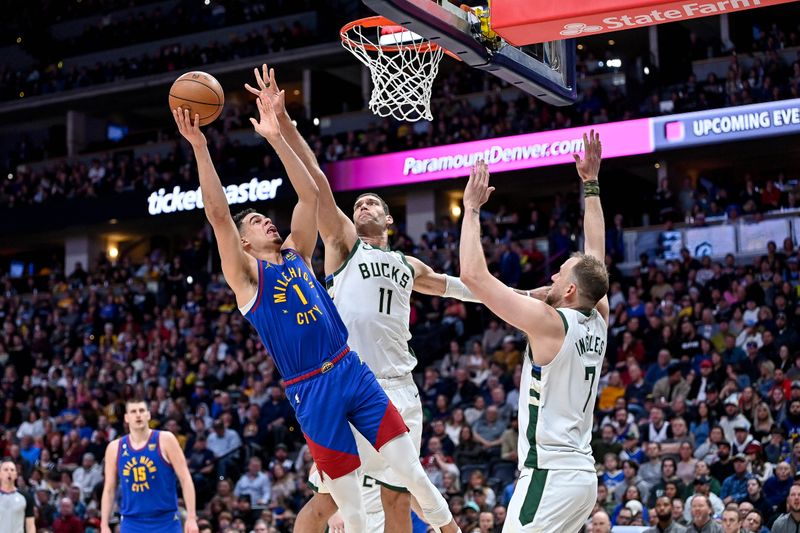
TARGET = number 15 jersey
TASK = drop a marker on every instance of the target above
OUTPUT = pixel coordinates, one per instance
(372, 292)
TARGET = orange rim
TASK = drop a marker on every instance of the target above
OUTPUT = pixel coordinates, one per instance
(377, 22)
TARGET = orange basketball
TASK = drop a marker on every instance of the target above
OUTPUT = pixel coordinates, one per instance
(200, 93)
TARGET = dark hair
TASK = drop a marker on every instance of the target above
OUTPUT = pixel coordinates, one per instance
(631, 464)
(383, 202)
(756, 511)
(591, 277)
(238, 218)
(8, 459)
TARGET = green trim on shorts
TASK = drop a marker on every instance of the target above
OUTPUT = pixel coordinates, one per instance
(312, 486)
(534, 497)
(391, 487)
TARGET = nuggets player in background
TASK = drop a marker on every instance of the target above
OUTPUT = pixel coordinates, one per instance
(557, 486)
(145, 464)
(371, 287)
(327, 385)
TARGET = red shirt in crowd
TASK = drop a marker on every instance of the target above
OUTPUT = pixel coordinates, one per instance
(68, 524)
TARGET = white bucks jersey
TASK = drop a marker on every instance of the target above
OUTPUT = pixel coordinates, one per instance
(556, 414)
(372, 292)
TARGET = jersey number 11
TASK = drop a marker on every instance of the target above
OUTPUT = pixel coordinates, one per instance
(386, 295)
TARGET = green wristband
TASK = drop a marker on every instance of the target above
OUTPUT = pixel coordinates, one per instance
(591, 188)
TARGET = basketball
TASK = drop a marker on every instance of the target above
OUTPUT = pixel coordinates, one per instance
(200, 93)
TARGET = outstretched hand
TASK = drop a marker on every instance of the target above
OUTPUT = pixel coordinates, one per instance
(188, 128)
(477, 191)
(268, 89)
(589, 167)
(267, 124)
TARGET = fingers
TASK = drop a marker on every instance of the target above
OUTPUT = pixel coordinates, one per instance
(260, 105)
(268, 105)
(259, 79)
(272, 79)
(264, 73)
(176, 118)
(252, 89)
(196, 123)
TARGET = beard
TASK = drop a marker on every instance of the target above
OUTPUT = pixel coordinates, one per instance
(664, 517)
(552, 298)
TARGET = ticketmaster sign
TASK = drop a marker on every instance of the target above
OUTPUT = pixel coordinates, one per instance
(727, 124)
(179, 200)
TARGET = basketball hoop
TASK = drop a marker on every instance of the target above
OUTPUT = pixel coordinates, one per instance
(403, 66)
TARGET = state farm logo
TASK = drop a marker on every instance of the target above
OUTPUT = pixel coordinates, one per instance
(577, 28)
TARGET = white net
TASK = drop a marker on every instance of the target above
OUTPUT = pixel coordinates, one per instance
(403, 70)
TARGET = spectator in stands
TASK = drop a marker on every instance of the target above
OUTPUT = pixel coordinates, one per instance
(790, 521)
(600, 523)
(665, 524)
(254, 484)
(754, 523)
(657, 430)
(67, 522)
(437, 464)
(731, 522)
(224, 443)
(650, 471)
(734, 488)
(778, 449)
(470, 451)
(88, 475)
(701, 513)
(630, 473)
(776, 488)
(488, 431)
(732, 418)
(670, 388)
(702, 489)
(612, 475)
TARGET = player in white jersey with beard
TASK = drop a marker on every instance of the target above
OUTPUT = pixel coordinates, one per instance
(371, 287)
(557, 487)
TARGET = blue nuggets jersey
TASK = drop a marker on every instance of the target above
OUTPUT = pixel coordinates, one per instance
(147, 482)
(294, 316)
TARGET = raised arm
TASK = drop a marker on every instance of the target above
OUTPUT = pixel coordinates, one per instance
(303, 237)
(427, 281)
(594, 227)
(109, 486)
(537, 319)
(336, 229)
(239, 268)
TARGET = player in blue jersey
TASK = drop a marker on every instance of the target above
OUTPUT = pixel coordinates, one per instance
(146, 464)
(327, 384)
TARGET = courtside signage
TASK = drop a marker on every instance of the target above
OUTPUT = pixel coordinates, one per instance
(177, 200)
(502, 154)
(517, 22)
(727, 124)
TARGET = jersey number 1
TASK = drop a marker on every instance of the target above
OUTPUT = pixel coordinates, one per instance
(591, 371)
(387, 295)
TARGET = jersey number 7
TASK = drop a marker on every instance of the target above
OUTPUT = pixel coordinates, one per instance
(591, 371)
